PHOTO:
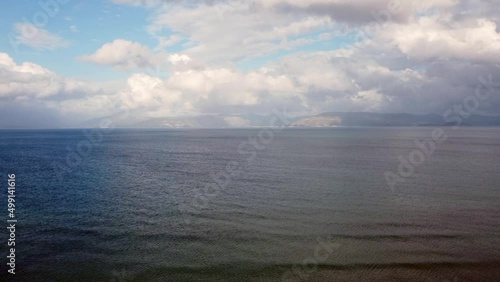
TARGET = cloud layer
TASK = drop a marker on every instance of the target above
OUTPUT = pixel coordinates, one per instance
(36, 37)
(253, 56)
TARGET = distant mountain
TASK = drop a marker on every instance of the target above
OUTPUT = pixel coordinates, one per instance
(384, 119)
(210, 121)
(389, 119)
(205, 121)
(332, 119)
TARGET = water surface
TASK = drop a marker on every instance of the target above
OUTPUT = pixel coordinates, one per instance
(131, 209)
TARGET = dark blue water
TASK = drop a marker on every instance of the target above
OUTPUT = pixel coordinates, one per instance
(157, 205)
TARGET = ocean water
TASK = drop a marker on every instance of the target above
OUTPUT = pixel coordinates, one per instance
(238, 205)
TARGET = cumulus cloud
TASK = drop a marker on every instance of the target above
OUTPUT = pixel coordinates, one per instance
(307, 83)
(125, 55)
(49, 96)
(433, 38)
(36, 37)
(29, 80)
(262, 27)
(252, 31)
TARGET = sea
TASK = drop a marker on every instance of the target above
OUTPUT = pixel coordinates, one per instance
(261, 204)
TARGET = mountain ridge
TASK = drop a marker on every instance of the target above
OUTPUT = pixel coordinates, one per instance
(326, 119)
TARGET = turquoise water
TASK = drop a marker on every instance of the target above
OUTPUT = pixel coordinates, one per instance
(141, 205)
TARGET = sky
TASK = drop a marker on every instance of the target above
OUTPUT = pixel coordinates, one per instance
(63, 62)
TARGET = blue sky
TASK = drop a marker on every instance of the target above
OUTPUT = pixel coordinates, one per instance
(87, 25)
(96, 23)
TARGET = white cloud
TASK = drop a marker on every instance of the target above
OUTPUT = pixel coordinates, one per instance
(309, 83)
(262, 27)
(313, 82)
(32, 96)
(30, 80)
(125, 55)
(234, 30)
(432, 38)
(168, 41)
(144, 91)
(179, 58)
(30, 35)
(29, 85)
